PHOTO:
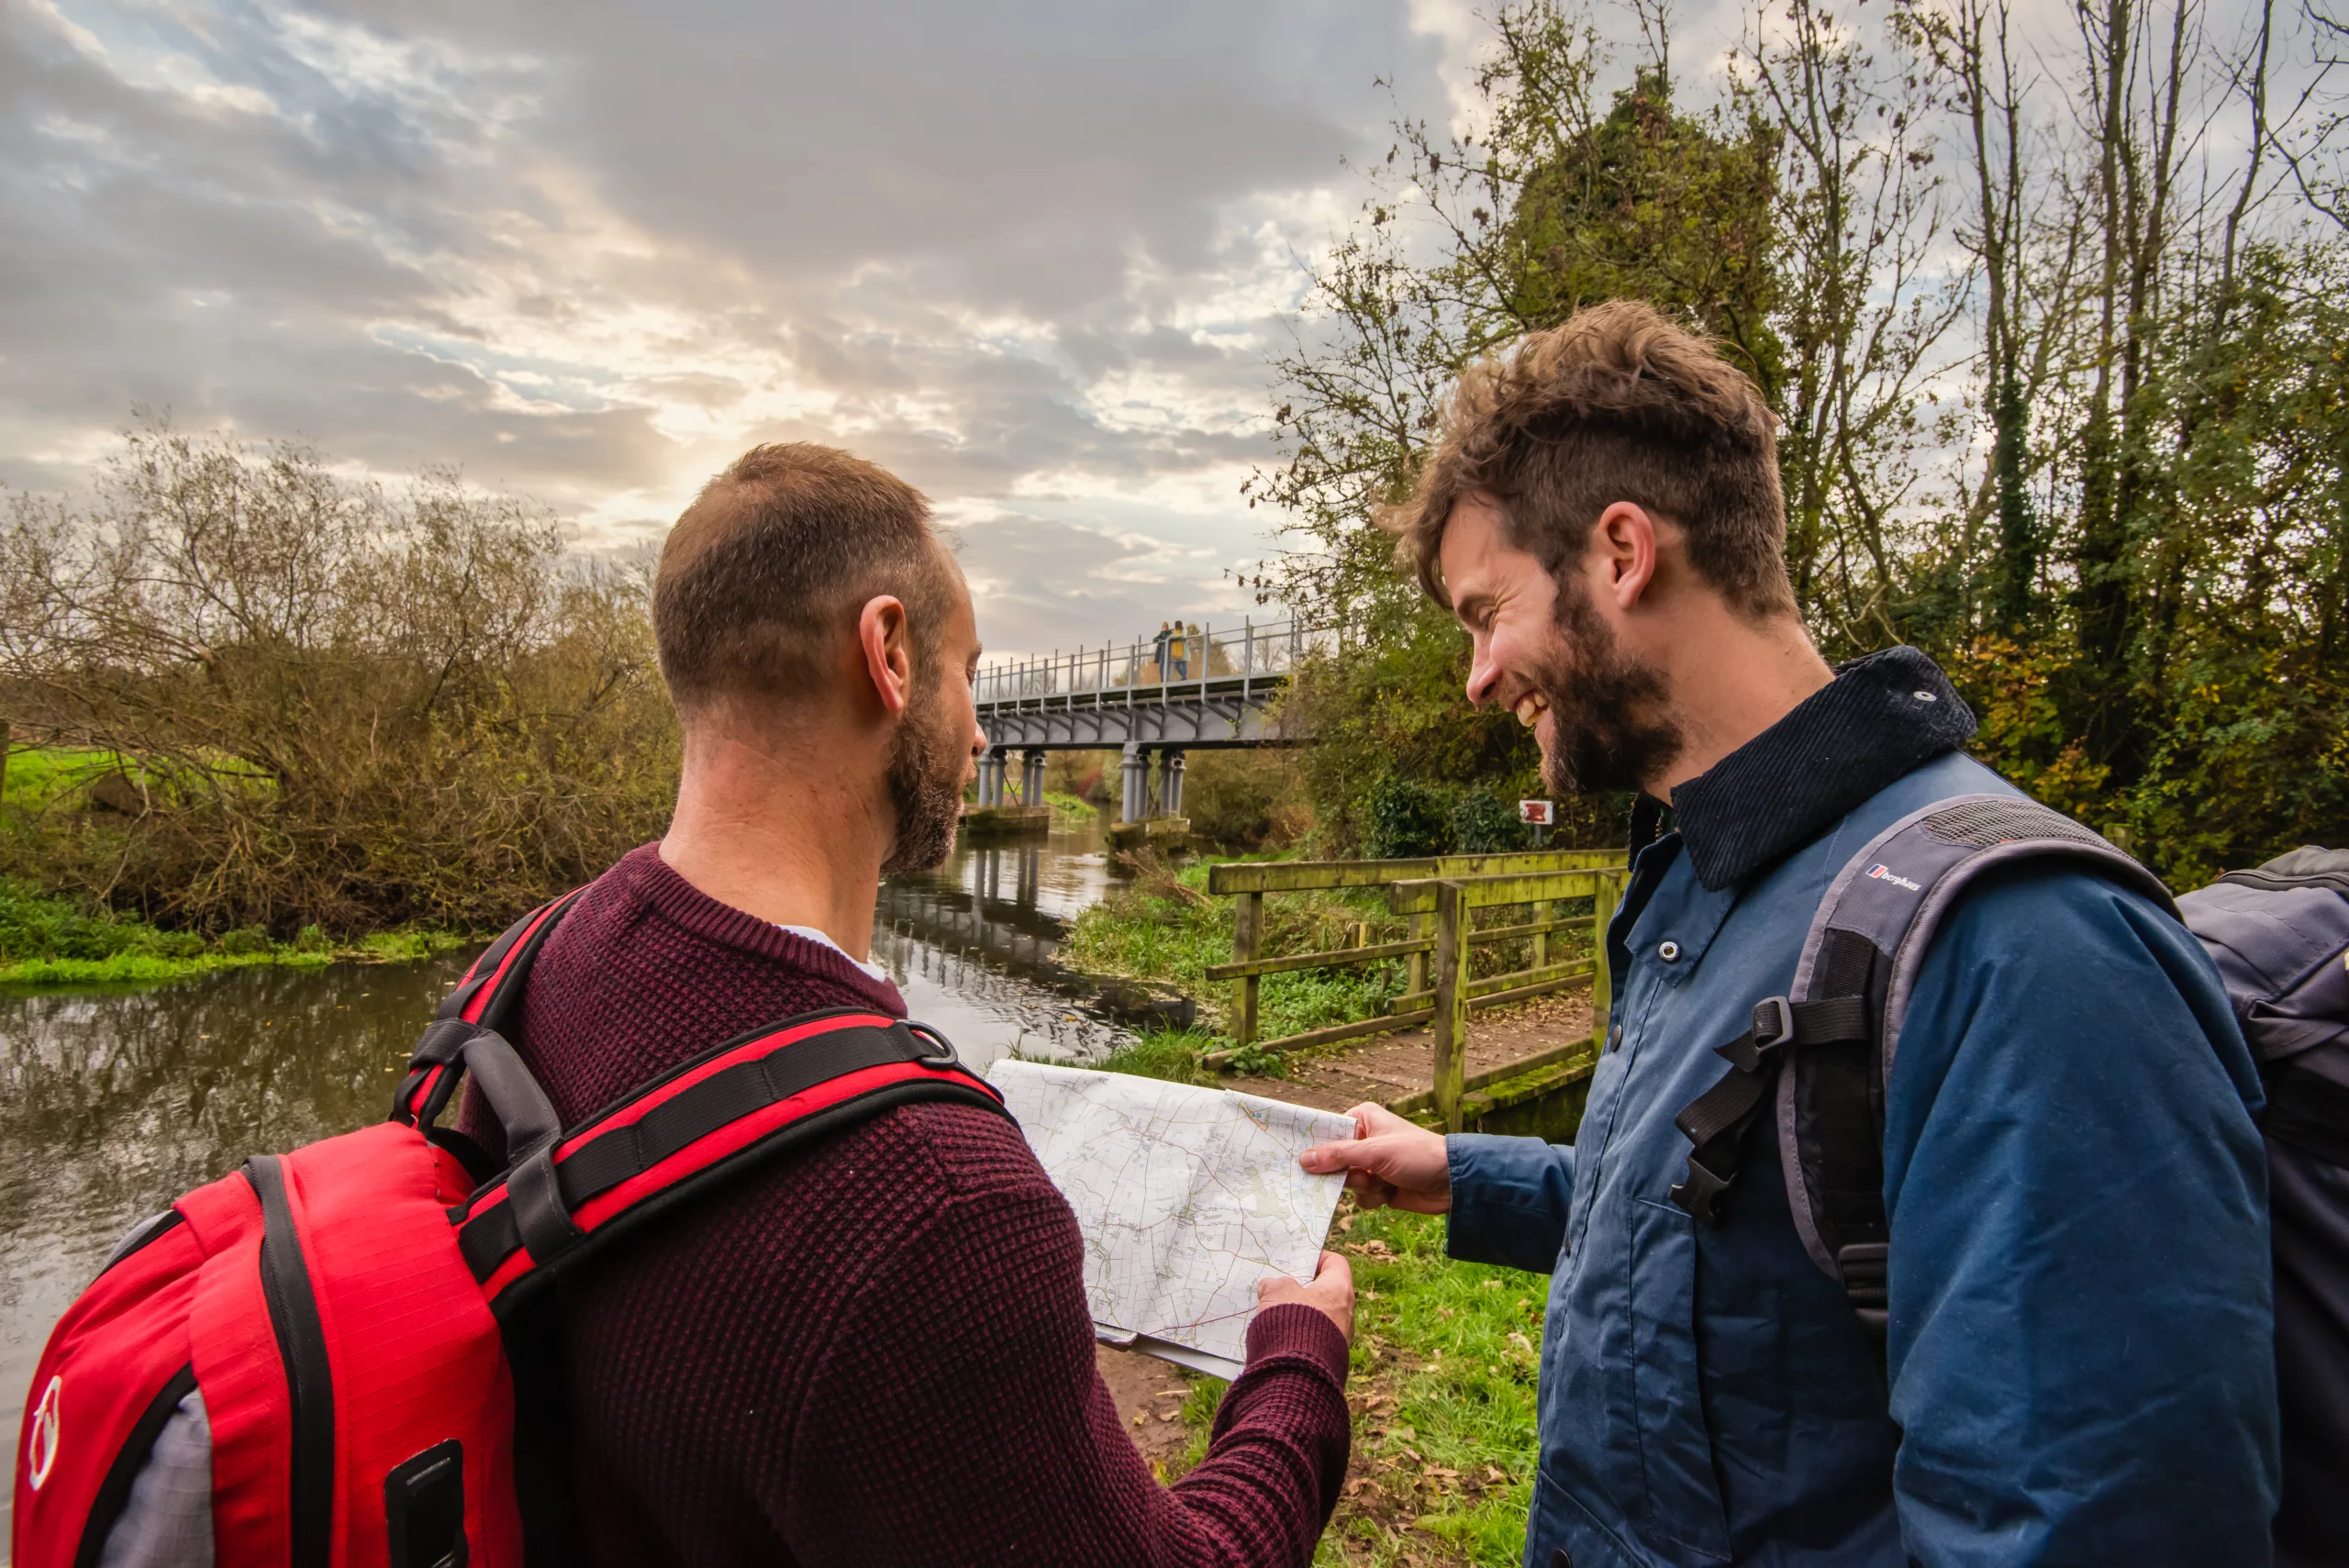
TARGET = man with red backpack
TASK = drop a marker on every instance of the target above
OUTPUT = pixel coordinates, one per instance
(878, 1351)
(727, 1263)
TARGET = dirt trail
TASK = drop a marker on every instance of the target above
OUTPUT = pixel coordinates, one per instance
(1150, 1396)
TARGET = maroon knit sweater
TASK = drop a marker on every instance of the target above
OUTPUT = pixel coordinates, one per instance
(876, 1350)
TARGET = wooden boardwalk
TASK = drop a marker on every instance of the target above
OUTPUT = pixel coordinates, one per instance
(1392, 1067)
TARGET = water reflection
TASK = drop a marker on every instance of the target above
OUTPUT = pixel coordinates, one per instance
(112, 1103)
(974, 947)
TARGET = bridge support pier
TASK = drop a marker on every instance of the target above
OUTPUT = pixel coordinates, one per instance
(1135, 768)
(1032, 781)
(992, 768)
(1170, 784)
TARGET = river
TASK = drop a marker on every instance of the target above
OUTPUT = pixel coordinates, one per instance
(114, 1102)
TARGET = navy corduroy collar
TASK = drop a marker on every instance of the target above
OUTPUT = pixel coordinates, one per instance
(1881, 718)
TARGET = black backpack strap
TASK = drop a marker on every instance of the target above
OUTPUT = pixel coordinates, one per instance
(1714, 1122)
(731, 1107)
(464, 1035)
(1825, 1073)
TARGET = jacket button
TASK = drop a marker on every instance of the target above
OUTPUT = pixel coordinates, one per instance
(1615, 1038)
(1668, 950)
(1562, 1558)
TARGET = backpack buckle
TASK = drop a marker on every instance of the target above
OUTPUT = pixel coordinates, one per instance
(1773, 1027)
(941, 1051)
(1700, 1194)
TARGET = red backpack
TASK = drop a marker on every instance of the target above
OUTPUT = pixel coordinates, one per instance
(329, 1358)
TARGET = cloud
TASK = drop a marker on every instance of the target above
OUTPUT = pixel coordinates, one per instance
(1031, 256)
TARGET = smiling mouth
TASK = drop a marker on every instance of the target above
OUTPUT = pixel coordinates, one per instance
(1531, 707)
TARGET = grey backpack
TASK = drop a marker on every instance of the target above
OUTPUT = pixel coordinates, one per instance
(1816, 1062)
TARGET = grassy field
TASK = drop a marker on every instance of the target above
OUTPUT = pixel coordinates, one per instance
(39, 775)
(1442, 1386)
(46, 940)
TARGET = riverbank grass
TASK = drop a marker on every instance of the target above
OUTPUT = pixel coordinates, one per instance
(47, 940)
(1164, 926)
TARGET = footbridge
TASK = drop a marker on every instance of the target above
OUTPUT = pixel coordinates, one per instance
(1153, 699)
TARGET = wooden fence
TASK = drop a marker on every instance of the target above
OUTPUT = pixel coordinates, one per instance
(1410, 884)
(1453, 901)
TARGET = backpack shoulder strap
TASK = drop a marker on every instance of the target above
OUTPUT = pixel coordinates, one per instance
(1823, 1054)
(736, 1105)
(482, 1004)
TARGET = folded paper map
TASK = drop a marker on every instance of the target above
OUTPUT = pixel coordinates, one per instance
(1186, 1198)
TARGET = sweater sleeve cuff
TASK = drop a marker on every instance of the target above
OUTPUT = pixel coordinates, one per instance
(1293, 1329)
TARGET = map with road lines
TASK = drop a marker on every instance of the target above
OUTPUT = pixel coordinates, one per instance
(1187, 1197)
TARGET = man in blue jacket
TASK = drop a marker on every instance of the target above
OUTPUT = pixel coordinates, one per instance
(2079, 1366)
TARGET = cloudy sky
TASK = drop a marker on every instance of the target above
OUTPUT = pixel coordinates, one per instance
(1031, 255)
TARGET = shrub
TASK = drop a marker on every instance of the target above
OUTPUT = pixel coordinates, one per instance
(1406, 819)
(343, 707)
(1484, 824)
(1245, 800)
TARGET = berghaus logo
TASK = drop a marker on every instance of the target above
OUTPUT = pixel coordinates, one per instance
(1886, 874)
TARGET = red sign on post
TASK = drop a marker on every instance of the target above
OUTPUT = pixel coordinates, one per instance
(1537, 812)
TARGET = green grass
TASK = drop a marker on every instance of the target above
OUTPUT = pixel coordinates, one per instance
(1170, 1055)
(39, 775)
(47, 940)
(1071, 806)
(1446, 1359)
(1164, 926)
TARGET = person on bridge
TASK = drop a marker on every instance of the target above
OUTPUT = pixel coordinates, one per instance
(877, 1351)
(1159, 648)
(2077, 1366)
(1178, 651)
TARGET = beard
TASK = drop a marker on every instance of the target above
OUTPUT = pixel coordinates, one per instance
(1610, 725)
(928, 763)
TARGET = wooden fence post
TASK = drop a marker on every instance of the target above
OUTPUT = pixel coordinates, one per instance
(1247, 934)
(1451, 1020)
(1415, 968)
(1540, 939)
(1602, 979)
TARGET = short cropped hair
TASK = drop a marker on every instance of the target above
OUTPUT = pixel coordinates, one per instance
(765, 572)
(1616, 403)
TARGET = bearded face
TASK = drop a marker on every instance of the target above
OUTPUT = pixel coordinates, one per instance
(1609, 725)
(928, 763)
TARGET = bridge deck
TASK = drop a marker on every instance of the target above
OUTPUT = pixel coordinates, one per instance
(1217, 691)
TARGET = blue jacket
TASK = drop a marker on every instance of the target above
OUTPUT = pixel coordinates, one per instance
(2080, 1355)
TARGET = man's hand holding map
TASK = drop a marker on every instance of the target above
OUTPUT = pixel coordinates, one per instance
(1188, 1197)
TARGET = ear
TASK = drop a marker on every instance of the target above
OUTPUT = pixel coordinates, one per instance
(887, 642)
(1623, 551)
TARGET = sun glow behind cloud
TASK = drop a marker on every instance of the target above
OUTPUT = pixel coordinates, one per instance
(588, 254)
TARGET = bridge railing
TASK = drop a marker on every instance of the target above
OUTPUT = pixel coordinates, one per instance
(1143, 670)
